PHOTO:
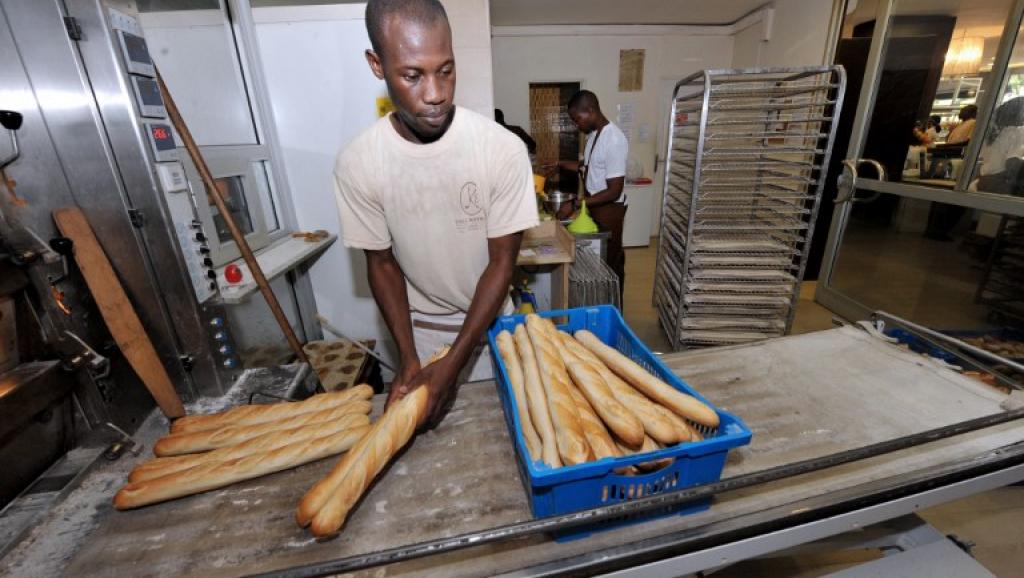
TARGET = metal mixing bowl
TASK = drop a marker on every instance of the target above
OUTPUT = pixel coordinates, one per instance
(556, 198)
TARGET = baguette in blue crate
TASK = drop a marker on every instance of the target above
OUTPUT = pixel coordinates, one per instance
(535, 397)
(601, 442)
(572, 444)
(682, 404)
(619, 418)
(660, 424)
(507, 349)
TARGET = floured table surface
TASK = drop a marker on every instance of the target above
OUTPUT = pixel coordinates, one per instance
(803, 396)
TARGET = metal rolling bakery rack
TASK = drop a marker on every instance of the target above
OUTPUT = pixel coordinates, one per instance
(746, 163)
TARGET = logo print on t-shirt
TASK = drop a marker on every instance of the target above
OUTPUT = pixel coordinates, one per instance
(469, 199)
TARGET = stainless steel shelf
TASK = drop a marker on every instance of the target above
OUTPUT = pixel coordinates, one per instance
(745, 171)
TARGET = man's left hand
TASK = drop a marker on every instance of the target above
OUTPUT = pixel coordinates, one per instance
(439, 379)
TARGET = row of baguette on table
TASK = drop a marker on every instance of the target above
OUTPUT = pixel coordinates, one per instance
(578, 400)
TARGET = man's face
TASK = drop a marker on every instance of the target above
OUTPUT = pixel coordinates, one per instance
(418, 65)
(583, 118)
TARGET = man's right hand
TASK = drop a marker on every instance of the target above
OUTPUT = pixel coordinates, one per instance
(401, 384)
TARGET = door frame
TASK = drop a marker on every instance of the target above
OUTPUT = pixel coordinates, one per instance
(835, 300)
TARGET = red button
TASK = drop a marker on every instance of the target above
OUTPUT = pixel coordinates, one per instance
(233, 273)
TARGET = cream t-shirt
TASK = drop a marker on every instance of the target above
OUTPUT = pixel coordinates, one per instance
(436, 204)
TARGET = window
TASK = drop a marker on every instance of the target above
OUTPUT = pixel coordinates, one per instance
(194, 46)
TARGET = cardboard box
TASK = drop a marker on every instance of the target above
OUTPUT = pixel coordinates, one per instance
(547, 244)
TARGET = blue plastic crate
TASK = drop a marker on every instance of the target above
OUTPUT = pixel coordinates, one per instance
(919, 345)
(567, 489)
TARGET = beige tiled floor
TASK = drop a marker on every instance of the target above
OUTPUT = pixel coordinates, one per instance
(643, 319)
(993, 521)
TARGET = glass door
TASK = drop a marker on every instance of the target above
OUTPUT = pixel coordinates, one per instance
(927, 200)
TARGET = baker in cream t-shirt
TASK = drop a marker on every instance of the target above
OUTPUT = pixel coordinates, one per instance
(436, 196)
(435, 205)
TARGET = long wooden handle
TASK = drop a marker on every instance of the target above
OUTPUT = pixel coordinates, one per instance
(229, 221)
(117, 310)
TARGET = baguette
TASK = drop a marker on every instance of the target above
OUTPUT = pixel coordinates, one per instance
(572, 444)
(675, 400)
(353, 414)
(507, 349)
(254, 414)
(213, 475)
(649, 445)
(270, 441)
(597, 436)
(656, 424)
(687, 433)
(619, 419)
(327, 504)
(537, 399)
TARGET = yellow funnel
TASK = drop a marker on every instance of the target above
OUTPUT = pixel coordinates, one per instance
(582, 224)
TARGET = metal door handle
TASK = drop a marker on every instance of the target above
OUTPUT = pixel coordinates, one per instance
(12, 122)
(847, 181)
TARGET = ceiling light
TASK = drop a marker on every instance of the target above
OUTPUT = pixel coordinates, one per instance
(963, 56)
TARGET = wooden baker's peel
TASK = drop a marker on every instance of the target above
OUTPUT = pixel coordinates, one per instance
(117, 310)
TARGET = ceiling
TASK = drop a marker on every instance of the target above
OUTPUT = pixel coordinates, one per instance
(983, 18)
(534, 12)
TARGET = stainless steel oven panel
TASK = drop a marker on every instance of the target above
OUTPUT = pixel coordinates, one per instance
(191, 321)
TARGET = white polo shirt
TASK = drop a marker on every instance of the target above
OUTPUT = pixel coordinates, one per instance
(435, 205)
(608, 160)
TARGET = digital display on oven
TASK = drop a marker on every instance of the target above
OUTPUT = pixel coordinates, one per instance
(149, 92)
(163, 140)
(135, 47)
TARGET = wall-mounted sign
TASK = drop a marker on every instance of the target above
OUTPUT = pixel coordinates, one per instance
(631, 70)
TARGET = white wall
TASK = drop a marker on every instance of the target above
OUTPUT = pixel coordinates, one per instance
(798, 34)
(471, 40)
(594, 61)
(323, 94)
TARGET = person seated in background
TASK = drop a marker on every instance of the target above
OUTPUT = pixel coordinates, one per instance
(933, 128)
(1002, 154)
(531, 145)
(961, 132)
(928, 135)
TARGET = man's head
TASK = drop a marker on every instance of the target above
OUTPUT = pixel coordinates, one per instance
(968, 112)
(412, 53)
(584, 110)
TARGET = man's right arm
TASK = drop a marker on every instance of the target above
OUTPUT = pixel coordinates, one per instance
(387, 283)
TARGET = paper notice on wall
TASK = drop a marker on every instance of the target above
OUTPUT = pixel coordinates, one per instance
(644, 132)
(631, 70)
(626, 119)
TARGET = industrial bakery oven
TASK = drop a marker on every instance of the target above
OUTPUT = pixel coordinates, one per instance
(85, 126)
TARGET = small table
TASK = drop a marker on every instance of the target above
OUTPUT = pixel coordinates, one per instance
(550, 245)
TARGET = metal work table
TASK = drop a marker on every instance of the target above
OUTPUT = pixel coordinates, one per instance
(804, 397)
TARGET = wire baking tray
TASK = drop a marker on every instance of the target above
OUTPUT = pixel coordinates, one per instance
(725, 310)
(708, 260)
(735, 299)
(709, 337)
(744, 275)
(739, 287)
(698, 322)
